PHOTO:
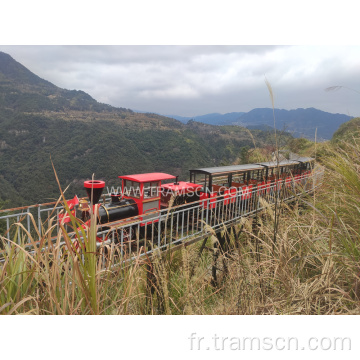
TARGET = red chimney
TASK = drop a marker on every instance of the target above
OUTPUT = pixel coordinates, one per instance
(94, 187)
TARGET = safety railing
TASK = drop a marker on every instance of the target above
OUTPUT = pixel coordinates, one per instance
(169, 227)
(34, 219)
(190, 222)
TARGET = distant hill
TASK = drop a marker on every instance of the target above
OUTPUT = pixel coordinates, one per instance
(13, 72)
(212, 119)
(260, 127)
(299, 122)
(347, 131)
(23, 91)
(82, 136)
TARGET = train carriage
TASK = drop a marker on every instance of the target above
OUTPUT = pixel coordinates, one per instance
(226, 181)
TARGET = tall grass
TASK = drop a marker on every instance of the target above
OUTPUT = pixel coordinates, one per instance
(313, 268)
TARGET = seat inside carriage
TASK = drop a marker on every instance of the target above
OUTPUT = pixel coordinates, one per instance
(217, 180)
(279, 170)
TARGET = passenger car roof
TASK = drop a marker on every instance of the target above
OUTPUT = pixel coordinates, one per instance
(222, 170)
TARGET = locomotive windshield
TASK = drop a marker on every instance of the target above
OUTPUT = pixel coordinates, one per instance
(151, 189)
(132, 189)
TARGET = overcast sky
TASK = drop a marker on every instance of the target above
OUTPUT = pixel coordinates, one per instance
(196, 80)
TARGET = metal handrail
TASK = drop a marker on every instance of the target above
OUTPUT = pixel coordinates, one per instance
(183, 222)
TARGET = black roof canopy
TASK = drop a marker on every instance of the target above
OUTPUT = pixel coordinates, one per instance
(272, 164)
(303, 159)
(225, 170)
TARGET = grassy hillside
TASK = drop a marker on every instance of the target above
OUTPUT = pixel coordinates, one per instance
(347, 131)
(81, 143)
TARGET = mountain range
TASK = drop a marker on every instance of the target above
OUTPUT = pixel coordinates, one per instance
(299, 122)
(41, 124)
(212, 119)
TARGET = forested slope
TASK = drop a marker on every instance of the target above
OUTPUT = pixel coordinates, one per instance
(38, 120)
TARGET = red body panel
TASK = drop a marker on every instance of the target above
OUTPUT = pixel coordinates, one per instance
(261, 188)
(229, 196)
(246, 192)
(288, 182)
(211, 203)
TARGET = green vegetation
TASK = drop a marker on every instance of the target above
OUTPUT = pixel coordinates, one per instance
(108, 146)
(311, 269)
(348, 131)
(38, 120)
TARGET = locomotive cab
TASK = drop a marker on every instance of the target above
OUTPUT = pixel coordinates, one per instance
(144, 189)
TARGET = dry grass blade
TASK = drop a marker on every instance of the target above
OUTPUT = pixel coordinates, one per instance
(20, 303)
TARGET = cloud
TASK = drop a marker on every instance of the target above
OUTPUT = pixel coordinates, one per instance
(194, 80)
